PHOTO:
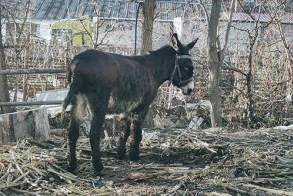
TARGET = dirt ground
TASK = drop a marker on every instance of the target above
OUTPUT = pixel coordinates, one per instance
(173, 162)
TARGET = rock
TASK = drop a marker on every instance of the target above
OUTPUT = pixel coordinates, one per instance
(163, 122)
(181, 123)
(148, 121)
(284, 128)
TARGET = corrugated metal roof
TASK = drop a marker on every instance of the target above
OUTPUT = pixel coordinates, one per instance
(123, 9)
(261, 17)
(287, 18)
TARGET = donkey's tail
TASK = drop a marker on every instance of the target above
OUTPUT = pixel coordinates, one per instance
(73, 78)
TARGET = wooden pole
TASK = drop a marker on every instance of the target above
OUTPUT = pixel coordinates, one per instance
(32, 71)
(25, 78)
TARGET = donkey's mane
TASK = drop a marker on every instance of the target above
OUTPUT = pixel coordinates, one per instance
(165, 50)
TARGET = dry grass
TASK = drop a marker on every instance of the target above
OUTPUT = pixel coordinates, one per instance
(178, 162)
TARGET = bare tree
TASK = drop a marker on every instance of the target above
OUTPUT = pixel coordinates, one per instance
(214, 64)
(262, 74)
(97, 38)
(4, 92)
(148, 10)
(18, 39)
(215, 57)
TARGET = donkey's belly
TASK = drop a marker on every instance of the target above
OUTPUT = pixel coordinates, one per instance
(117, 106)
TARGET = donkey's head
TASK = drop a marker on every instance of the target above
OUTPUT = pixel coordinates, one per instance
(182, 75)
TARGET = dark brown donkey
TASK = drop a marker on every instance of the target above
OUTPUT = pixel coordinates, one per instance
(125, 85)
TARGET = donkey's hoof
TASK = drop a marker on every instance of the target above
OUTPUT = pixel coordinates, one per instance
(71, 168)
(72, 163)
(121, 154)
(134, 158)
(134, 155)
(98, 171)
(98, 166)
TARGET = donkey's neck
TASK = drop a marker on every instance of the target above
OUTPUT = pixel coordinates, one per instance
(162, 62)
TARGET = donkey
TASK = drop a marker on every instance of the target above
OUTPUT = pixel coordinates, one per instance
(125, 85)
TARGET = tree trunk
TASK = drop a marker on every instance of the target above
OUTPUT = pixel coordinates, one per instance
(214, 65)
(4, 92)
(24, 124)
(249, 80)
(148, 10)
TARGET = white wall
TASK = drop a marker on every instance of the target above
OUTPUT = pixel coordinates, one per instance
(45, 28)
(123, 34)
(44, 31)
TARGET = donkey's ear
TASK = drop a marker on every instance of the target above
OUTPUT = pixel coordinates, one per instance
(176, 44)
(191, 44)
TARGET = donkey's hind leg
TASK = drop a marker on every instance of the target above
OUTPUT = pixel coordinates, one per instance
(77, 112)
(98, 109)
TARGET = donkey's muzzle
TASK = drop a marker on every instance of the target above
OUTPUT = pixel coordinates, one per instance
(188, 88)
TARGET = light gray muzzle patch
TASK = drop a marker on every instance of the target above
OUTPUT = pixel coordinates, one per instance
(188, 88)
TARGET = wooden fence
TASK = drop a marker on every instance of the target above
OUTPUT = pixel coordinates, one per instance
(31, 71)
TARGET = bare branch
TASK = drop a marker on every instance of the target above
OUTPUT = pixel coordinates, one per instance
(232, 9)
(205, 10)
(226, 67)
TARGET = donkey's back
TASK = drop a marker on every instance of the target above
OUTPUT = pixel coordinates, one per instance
(121, 81)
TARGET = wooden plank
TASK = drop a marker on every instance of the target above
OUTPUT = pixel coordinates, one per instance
(32, 71)
(54, 102)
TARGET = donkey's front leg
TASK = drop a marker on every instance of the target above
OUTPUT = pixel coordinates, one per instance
(123, 138)
(136, 135)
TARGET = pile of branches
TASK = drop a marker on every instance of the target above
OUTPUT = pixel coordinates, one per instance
(173, 162)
